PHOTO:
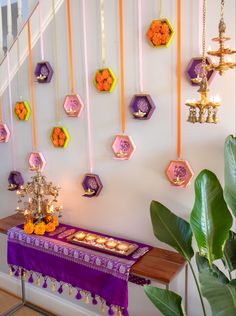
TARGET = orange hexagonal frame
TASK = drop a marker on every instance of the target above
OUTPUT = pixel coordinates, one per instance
(73, 105)
(160, 33)
(179, 173)
(60, 137)
(4, 133)
(22, 110)
(123, 147)
(37, 161)
(105, 80)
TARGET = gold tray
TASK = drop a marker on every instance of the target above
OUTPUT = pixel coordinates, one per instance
(104, 247)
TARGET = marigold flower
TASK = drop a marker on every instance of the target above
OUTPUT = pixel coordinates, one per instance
(40, 228)
(29, 228)
(50, 227)
(55, 221)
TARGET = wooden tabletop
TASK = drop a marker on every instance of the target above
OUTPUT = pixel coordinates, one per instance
(157, 264)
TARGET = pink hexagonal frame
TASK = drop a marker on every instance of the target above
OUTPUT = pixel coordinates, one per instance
(92, 185)
(4, 133)
(73, 105)
(37, 161)
(123, 147)
(179, 173)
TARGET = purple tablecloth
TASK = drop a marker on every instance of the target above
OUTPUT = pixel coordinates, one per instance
(102, 275)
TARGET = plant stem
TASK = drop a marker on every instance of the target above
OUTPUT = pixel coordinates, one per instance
(198, 288)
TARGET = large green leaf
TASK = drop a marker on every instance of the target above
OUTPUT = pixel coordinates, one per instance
(203, 265)
(230, 173)
(230, 252)
(168, 302)
(221, 296)
(171, 229)
(210, 218)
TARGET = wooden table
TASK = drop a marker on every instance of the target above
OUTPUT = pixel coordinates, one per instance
(158, 264)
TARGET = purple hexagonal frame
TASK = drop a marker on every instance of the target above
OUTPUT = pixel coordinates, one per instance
(37, 161)
(194, 71)
(92, 185)
(142, 106)
(73, 105)
(15, 180)
(43, 72)
(4, 133)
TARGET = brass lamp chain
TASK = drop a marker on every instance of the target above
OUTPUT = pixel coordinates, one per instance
(204, 41)
(222, 9)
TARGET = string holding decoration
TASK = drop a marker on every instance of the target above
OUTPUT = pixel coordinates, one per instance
(105, 79)
(73, 104)
(161, 31)
(91, 183)
(43, 70)
(142, 105)
(179, 171)
(4, 130)
(123, 145)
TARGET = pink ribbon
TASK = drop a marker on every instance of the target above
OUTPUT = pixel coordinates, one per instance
(200, 22)
(89, 124)
(11, 114)
(41, 29)
(140, 47)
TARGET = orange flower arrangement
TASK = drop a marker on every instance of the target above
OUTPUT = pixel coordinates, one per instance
(159, 33)
(55, 221)
(50, 227)
(103, 80)
(29, 228)
(40, 228)
(59, 137)
(21, 111)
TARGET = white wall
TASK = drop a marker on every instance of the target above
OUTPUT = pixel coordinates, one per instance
(122, 208)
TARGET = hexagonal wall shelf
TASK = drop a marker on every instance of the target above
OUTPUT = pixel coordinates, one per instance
(22, 110)
(105, 80)
(60, 137)
(43, 72)
(15, 180)
(37, 161)
(142, 106)
(4, 133)
(160, 33)
(73, 105)
(179, 173)
(194, 71)
(92, 185)
(123, 147)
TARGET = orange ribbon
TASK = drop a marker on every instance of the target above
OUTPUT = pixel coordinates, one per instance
(32, 92)
(122, 67)
(179, 78)
(70, 47)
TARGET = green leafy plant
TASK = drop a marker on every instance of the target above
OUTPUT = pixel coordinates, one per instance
(210, 223)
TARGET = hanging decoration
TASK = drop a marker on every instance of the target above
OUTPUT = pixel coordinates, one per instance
(123, 146)
(39, 211)
(142, 105)
(59, 135)
(179, 172)
(91, 183)
(203, 110)
(43, 70)
(105, 79)
(223, 53)
(161, 31)
(73, 104)
(37, 161)
(4, 130)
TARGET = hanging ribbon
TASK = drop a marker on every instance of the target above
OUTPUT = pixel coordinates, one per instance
(11, 114)
(70, 47)
(55, 52)
(41, 29)
(160, 9)
(200, 23)
(122, 80)
(1, 116)
(140, 47)
(102, 16)
(89, 125)
(32, 92)
(18, 68)
(179, 78)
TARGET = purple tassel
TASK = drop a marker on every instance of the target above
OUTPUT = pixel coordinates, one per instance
(148, 282)
(45, 284)
(94, 301)
(12, 269)
(110, 311)
(125, 312)
(78, 295)
(31, 280)
(60, 290)
(17, 273)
